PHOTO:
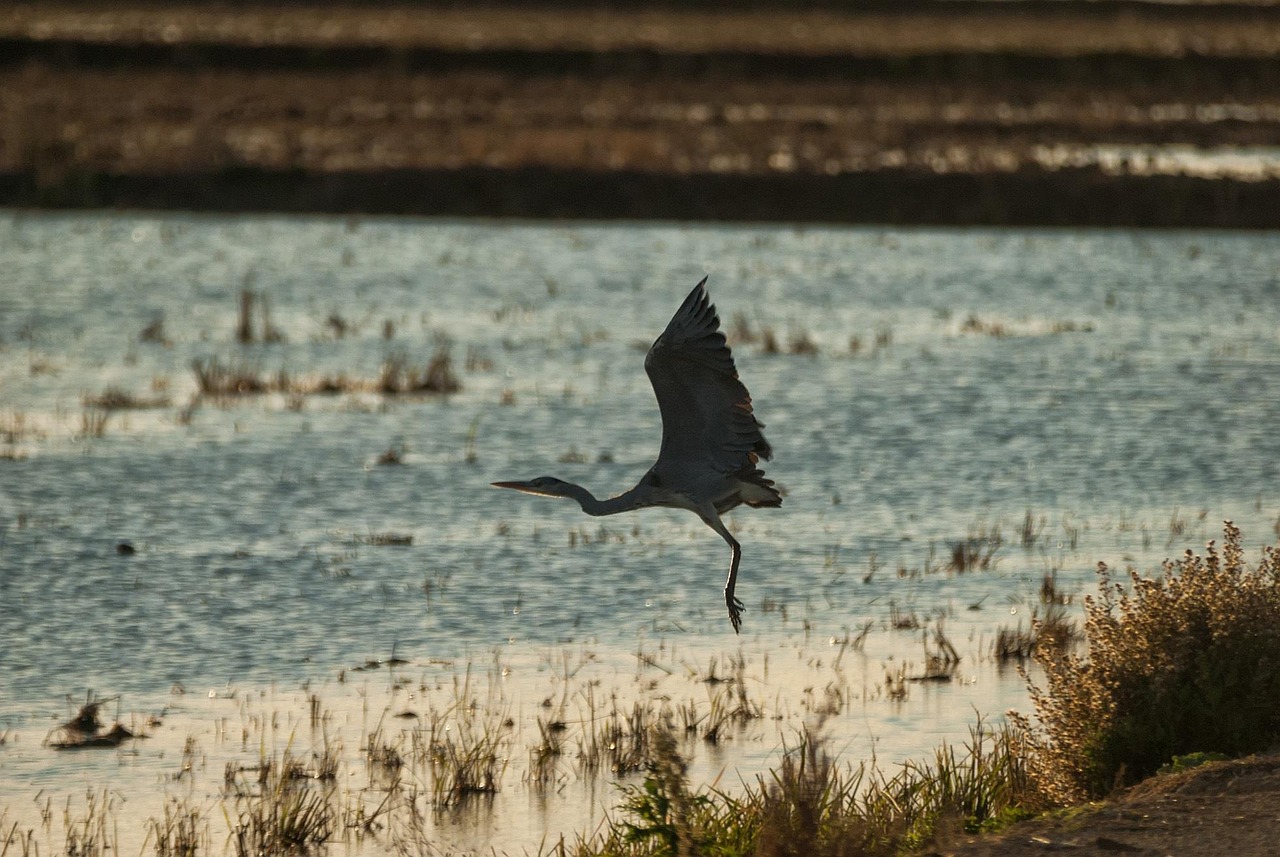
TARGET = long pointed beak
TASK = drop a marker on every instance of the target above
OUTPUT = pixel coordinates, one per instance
(522, 486)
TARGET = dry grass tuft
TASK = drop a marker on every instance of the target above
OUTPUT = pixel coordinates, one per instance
(117, 399)
(282, 813)
(215, 378)
(245, 328)
(975, 553)
(1052, 625)
(93, 834)
(93, 423)
(398, 376)
(803, 806)
(154, 333)
(180, 833)
(465, 748)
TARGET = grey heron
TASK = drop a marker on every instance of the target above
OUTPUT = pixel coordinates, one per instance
(711, 440)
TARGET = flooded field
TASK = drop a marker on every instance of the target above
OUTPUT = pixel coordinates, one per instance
(1061, 114)
(245, 502)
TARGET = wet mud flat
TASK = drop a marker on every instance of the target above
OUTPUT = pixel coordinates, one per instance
(1058, 113)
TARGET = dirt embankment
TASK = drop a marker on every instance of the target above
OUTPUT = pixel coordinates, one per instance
(957, 112)
(1221, 808)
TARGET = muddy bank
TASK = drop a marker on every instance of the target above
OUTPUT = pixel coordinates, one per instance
(1063, 113)
(1222, 807)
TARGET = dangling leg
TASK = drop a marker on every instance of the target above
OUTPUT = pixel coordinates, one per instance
(735, 607)
(730, 600)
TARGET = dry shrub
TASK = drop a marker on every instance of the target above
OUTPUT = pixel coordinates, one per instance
(1186, 661)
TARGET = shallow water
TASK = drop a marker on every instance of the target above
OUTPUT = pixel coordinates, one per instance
(1121, 387)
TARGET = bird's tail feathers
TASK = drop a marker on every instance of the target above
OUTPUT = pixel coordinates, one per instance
(757, 490)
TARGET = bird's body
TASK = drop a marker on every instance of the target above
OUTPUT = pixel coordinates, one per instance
(711, 439)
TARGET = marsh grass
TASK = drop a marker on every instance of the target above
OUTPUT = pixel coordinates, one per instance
(385, 539)
(93, 423)
(730, 700)
(1180, 662)
(326, 761)
(154, 332)
(975, 553)
(282, 813)
(663, 813)
(393, 455)
(801, 343)
(383, 756)
(14, 841)
(1052, 625)
(237, 378)
(811, 805)
(180, 833)
(801, 805)
(399, 376)
(544, 757)
(1014, 644)
(119, 399)
(84, 730)
(941, 659)
(16, 428)
(902, 620)
(1031, 529)
(256, 304)
(974, 324)
(740, 331)
(93, 833)
(895, 684)
(617, 741)
(396, 376)
(464, 762)
(464, 749)
(190, 753)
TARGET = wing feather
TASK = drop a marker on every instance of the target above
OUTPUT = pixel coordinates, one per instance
(706, 411)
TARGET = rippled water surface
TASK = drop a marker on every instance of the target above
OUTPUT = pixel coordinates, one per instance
(1117, 393)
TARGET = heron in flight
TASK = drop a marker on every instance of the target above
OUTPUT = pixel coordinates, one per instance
(711, 439)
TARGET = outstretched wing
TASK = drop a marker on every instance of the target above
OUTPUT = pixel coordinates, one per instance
(706, 411)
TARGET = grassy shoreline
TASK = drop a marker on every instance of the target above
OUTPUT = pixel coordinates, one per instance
(1174, 674)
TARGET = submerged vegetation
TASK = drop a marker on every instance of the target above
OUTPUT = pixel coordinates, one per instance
(243, 376)
(397, 376)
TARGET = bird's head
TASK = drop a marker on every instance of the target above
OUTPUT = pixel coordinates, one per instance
(543, 486)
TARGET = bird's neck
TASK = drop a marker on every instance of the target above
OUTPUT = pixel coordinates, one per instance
(624, 502)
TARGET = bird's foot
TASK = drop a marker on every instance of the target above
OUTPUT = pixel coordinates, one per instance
(735, 611)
